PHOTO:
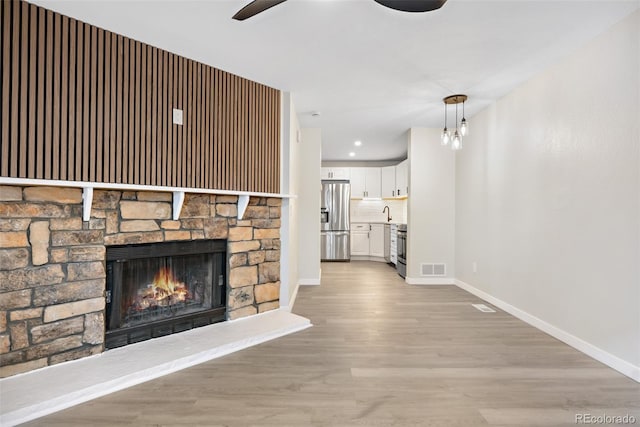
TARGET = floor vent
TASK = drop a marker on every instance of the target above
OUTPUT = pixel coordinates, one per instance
(483, 308)
(433, 269)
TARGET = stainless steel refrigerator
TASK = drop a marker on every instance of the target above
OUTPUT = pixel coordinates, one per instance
(335, 238)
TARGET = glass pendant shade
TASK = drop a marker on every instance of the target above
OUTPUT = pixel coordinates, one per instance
(463, 127)
(445, 138)
(456, 143)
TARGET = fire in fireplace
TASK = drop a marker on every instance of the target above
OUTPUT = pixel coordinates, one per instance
(162, 288)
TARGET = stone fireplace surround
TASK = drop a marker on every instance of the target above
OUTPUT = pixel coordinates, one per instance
(52, 264)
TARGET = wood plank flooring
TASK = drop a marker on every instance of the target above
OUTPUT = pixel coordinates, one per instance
(381, 353)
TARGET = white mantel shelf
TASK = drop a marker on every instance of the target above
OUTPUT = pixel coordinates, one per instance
(178, 192)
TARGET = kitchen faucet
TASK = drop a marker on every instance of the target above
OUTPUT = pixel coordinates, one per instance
(386, 208)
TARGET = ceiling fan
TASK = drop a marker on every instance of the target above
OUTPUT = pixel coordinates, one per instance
(258, 6)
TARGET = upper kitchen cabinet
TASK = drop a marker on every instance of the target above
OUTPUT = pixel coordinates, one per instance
(389, 188)
(365, 182)
(335, 173)
(402, 179)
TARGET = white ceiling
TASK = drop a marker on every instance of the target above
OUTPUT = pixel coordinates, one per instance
(371, 71)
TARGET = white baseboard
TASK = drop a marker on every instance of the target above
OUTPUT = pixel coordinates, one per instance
(292, 299)
(579, 344)
(309, 282)
(430, 281)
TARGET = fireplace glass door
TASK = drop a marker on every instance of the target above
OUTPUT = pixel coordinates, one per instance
(160, 288)
(163, 288)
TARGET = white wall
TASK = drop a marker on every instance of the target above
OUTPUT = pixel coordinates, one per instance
(548, 191)
(430, 206)
(289, 275)
(308, 174)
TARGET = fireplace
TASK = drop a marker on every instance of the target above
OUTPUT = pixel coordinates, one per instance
(55, 271)
(162, 288)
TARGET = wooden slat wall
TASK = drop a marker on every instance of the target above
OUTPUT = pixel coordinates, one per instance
(83, 104)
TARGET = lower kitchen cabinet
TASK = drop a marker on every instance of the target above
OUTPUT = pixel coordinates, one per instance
(376, 240)
(367, 240)
(360, 242)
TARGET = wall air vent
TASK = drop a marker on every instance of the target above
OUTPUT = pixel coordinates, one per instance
(483, 308)
(433, 269)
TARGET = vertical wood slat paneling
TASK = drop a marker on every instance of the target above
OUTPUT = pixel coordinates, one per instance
(5, 10)
(100, 104)
(82, 103)
(76, 171)
(143, 114)
(158, 89)
(107, 106)
(90, 94)
(217, 136)
(71, 103)
(137, 114)
(150, 116)
(34, 169)
(164, 165)
(60, 164)
(15, 90)
(52, 165)
(154, 112)
(124, 100)
(118, 87)
(43, 168)
(24, 85)
(132, 113)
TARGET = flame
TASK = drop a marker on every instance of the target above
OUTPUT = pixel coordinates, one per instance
(165, 290)
(165, 282)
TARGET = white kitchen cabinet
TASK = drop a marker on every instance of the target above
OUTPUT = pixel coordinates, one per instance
(360, 239)
(373, 182)
(334, 173)
(358, 183)
(393, 249)
(365, 182)
(376, 240)
(367, 240)
(402, 179)
(388, 181)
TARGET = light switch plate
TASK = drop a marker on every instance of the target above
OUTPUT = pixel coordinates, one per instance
(177, 116)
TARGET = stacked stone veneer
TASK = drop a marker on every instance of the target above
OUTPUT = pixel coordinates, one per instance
(52, 264)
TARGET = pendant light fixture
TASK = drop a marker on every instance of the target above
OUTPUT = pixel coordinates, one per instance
(461, 129)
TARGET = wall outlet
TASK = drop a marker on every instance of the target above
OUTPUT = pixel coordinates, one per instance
(177, 116)
(474, 266)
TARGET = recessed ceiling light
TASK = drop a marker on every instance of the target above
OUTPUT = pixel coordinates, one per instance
(357, 143)
(352, 154)
(315, 113)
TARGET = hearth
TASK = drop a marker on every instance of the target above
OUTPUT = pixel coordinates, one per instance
(162, 288)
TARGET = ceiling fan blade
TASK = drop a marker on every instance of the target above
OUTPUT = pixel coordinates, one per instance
(413, 5)
(255, 7)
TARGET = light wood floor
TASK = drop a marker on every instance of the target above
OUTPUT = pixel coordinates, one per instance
(381, 353)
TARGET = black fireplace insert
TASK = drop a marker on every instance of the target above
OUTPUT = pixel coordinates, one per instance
(158, 289)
